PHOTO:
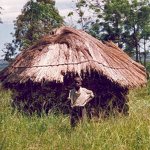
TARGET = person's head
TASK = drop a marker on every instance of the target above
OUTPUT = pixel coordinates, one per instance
(77, 82)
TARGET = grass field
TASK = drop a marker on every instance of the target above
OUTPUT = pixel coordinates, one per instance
(148, 66)
(53, 132)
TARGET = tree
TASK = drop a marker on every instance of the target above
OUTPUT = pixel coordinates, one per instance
(113, 17)
(82, 10)
(36, 20)
(135, 24)
(107, 20)
(9, 51)
(146, 40)
(121, 21)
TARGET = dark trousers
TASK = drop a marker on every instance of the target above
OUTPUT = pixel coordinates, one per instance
(78, 114)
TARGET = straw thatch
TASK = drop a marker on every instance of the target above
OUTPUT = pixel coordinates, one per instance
(69, 50)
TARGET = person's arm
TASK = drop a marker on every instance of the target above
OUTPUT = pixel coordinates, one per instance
(89, 92)
(91, 96)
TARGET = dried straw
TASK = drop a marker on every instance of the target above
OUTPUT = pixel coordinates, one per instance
(75, 51)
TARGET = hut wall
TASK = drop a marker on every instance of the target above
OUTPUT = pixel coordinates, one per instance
(52, 96)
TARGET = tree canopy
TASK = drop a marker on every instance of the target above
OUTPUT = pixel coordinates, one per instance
(124, 22)
(36, 20)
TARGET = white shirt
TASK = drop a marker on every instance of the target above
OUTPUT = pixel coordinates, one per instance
(81, 97)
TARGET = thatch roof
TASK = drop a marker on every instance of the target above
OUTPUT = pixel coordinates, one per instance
(71, 50)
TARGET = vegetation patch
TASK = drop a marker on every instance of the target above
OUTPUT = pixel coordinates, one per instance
(53, 131)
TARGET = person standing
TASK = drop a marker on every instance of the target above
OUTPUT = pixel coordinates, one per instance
(79, 97)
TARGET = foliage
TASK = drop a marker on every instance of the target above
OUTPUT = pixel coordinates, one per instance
(124, 22)
(81, 7)
(137, 20)
(146, 37)
(148, 67)
(113, 16)
(9, 51)
(20, 131)
(36, 20)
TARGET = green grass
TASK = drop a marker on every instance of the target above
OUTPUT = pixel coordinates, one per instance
(53, 132)
(148, 67)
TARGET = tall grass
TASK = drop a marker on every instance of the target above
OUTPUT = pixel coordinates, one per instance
(53, 132)
(148, 67)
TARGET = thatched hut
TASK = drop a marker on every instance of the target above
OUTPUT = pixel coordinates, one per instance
(49, 66)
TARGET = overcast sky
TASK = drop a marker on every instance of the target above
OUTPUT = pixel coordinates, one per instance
(12, 8)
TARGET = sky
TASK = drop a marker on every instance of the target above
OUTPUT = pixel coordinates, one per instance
(12, 8)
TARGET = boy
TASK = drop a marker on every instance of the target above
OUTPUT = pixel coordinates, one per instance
(79, 98)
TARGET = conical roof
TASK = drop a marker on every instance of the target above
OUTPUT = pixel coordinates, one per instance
(71, 50)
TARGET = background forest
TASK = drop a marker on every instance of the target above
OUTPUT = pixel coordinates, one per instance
(126, 23)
